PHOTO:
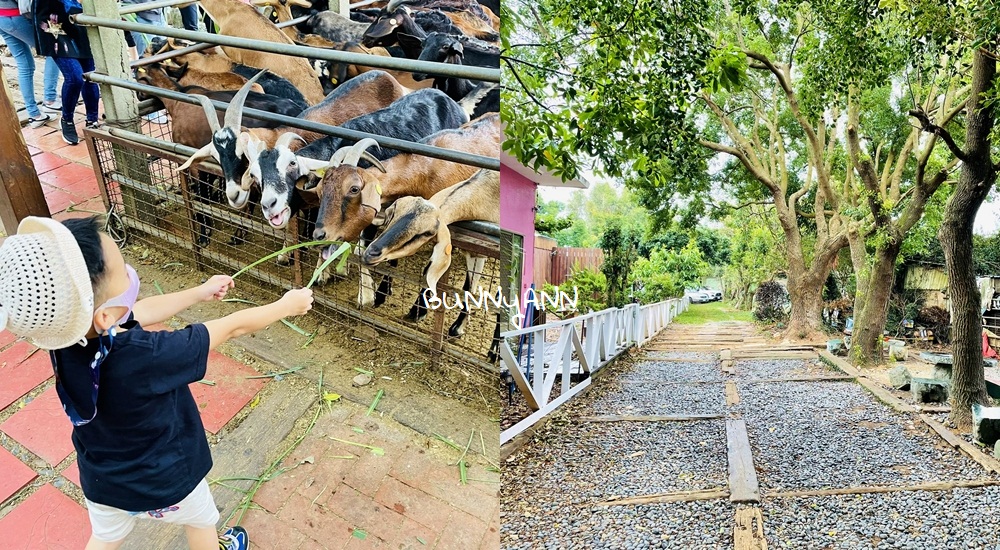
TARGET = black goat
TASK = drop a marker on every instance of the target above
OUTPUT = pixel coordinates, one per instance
(484, 98)
(443, 48)
(385, 29)
(274, 86)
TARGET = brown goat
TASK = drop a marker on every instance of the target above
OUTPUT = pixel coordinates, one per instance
(186, 76)
(283, 12)
(235, 18)
(339, 73)
(351, 197)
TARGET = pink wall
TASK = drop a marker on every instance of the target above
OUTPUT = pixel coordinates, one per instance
(517, 214)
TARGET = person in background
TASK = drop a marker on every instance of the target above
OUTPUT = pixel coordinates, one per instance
(148, 17)
(189, 16)
(17, 32)
(68, 45)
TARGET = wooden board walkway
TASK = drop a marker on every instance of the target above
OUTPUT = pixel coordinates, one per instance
(743, 485)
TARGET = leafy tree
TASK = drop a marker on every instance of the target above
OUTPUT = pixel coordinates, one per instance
(666, 273)
(620, 247)
(756, 252)
(591, 287)
(549, 219)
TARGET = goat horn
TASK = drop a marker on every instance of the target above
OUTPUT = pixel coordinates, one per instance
(204, 152)
(213, 117)
(376, 162)
(354, 155)
(286, 139)
(338, 156)
(234, 114)
(393, 4)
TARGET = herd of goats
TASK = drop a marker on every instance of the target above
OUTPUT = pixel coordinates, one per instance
(345, 189)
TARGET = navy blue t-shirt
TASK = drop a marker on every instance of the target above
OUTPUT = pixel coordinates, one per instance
(146, 448)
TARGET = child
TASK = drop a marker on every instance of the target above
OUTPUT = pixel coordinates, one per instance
(140, 443)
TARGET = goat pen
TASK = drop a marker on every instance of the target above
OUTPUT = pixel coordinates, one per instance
(157, 213)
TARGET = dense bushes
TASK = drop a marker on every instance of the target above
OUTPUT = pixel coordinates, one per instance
(770, 302)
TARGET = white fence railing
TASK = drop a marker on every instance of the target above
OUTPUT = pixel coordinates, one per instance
(583, 346)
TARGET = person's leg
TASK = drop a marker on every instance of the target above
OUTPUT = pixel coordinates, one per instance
(91, 93)
(140, 41)
(72, 86)
(10, 32)
(203, 538)
(189, 17)
(94, 544)
(51, 81)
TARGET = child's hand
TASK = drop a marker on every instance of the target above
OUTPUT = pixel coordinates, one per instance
(297, 302)
(215, 288)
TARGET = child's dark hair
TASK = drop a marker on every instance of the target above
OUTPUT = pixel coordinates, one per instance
(87, 232)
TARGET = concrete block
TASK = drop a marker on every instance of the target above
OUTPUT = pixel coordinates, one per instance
(942, 372)
(929, 390)
(899, 378)
(985, 424)
(726, 354)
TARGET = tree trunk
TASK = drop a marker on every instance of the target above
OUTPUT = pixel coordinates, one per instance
(978, 175)
(869, 320)
(806, 295)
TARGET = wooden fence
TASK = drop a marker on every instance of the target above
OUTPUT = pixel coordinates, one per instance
(556, 265)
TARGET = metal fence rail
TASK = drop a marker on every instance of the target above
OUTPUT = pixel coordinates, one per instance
(584, 345)
(411, 65)
(460, 157)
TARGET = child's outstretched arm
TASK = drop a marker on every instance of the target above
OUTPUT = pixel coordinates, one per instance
(294, 302)
(156, 309)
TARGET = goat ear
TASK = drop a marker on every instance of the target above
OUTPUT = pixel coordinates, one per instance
(409, 41)
(249, 144)
(310, 197)
(207, 151)
(440, 257)
(307, 165)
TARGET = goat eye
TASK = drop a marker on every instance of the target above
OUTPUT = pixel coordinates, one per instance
(355, 189)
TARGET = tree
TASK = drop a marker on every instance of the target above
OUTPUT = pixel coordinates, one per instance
(549, 219)
(620, 246)
(756, 252)
(666, 273)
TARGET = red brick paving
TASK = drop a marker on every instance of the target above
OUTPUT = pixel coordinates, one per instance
(15, 474)
(231, 392)
(6, 338)
(47, 520)
(66, 175)
(72, 473)
(20, 375)
(42, 427)
(46, 162)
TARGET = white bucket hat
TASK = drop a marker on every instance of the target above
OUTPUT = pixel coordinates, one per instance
(45, 290)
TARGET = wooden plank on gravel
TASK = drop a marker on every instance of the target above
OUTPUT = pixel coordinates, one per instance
(732, 395)
(748, 533)
(727, 367)
(244, 452)
(929, 486)
(988, 462)
(678, 496)
(743, 485)
(874, 387)
(651, 418)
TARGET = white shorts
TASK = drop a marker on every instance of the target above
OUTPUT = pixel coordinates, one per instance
(197, 510)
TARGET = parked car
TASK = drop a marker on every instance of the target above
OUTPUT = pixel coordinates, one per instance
(698, 296)
(715, 294)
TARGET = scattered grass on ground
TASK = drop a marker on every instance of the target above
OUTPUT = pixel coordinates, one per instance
(712, 312)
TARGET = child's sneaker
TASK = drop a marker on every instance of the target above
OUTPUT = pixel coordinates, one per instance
(93, 125)
(53, 107)
(69, 132)
(235, 538)
(38, 121)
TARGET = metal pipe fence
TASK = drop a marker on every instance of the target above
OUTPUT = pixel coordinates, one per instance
(576, 347)
(395, 63)
(136, 8)
(392, 143)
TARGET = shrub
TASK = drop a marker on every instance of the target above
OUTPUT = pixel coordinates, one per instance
(591, 286)
(769, 302)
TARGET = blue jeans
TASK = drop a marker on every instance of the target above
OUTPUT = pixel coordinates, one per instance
(142, 40)
(19, 34)
(73, 84)
(189, 17)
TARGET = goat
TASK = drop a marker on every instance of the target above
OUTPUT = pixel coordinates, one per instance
(189, 127)
(410, 222)
(411, 118)
(363, 95)
(351, 197)
(470, 18)
(336, 27)
(483, 99)
(187, 76)
(332, 74)
(385, 29)
(235, 18)
(216, 62)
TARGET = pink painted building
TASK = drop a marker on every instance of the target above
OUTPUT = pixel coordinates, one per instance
(517, 217)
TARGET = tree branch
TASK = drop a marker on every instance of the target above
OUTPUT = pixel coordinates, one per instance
(525, 88)
(929, 127)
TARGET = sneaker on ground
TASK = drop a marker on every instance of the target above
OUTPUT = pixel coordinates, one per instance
(159, 117)
(53, 107)
(235, 538)
(39, 121)
(93, 125)
(69, 132)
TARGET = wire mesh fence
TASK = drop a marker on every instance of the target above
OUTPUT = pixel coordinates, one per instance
(184, 216)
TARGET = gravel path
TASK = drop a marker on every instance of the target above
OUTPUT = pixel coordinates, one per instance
(781, 368)
(662, 399)
(671, 371)
(674, 355)
(932, 520)
(808, 435)
(679, 526)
